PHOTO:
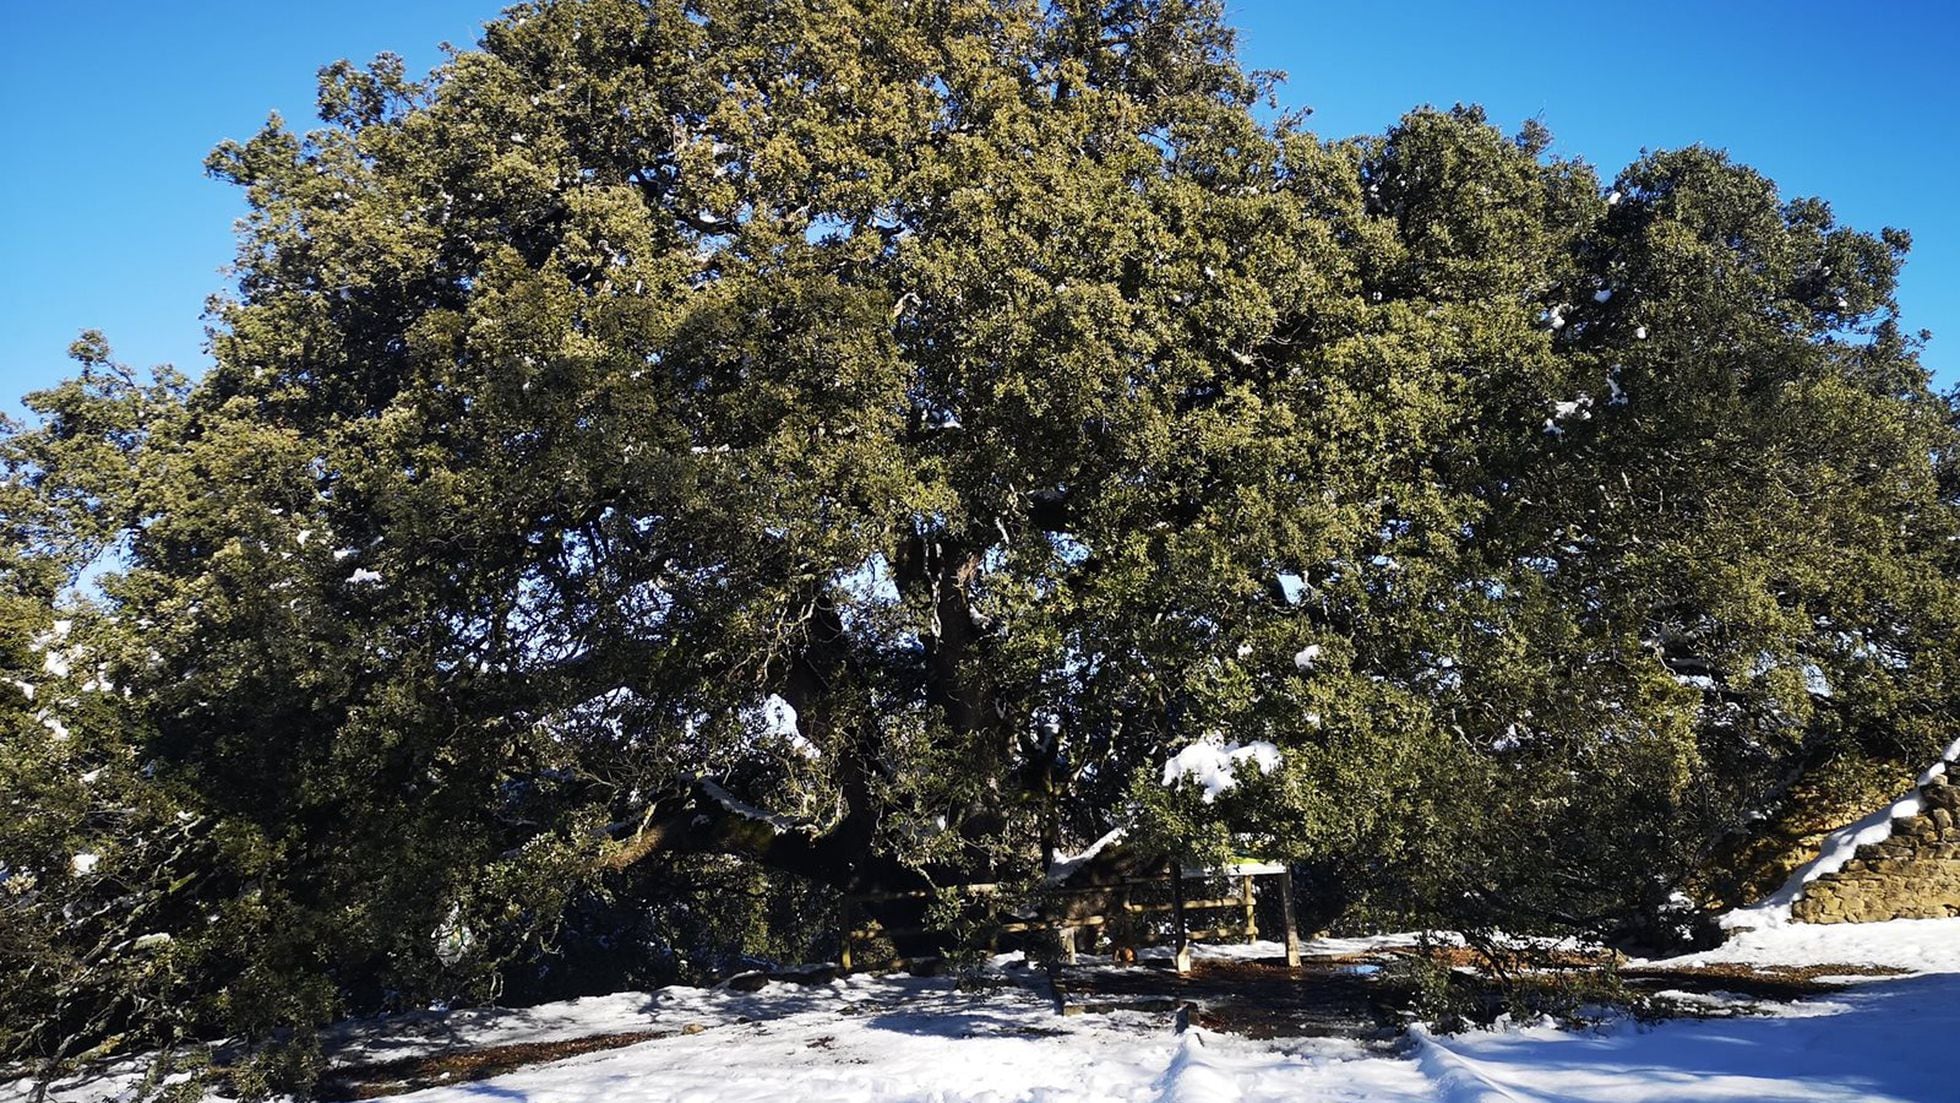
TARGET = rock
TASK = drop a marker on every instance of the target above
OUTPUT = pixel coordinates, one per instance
(822, 973)
(1914, 874)
(751, 981)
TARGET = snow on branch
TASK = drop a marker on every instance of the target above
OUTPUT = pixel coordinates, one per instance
(1063, 866)
(728, 800)
(1213, 763)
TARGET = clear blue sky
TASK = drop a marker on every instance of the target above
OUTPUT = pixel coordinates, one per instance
(107, 108)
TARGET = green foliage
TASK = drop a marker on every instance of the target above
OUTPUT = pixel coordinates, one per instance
(280, 1069)
(988, 383)
(1524, 982)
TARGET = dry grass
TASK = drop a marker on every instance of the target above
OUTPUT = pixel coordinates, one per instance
(1782, 972)
(1778, 983)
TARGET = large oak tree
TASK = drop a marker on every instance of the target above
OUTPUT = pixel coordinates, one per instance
(870, 438)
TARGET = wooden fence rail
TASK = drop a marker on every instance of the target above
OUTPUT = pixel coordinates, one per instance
(857, 926)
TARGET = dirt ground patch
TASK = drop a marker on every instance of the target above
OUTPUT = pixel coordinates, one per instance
(1364, 996)
(1765, 982)
(1256, 999)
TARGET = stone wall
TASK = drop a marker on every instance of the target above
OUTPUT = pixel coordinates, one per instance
(1915, 874)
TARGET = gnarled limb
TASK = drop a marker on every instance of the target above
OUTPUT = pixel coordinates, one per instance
(699, 816)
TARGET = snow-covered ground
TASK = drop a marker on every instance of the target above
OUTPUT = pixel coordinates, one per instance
(867, 1039)
(1915, 945)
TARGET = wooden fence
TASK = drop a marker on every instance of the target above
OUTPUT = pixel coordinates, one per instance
(1239, 922)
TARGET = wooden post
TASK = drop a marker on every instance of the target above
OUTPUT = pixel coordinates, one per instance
(1180, 933)
(1245, 899)
(1123, 946)
(846, 920)
(1067, 935)
(1286, 911)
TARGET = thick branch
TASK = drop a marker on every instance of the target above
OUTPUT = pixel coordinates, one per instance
(698, 816)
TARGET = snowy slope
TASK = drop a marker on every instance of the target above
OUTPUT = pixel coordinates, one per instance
(945, 1046)
(1870, 1044)
(1866, 1045)
(886, 1040)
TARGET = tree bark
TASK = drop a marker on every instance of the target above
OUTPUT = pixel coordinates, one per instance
(698, 816)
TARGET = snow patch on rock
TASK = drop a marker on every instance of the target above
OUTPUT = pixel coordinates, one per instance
(1839, 847)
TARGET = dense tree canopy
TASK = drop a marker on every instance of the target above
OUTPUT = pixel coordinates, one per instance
(868, 439)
